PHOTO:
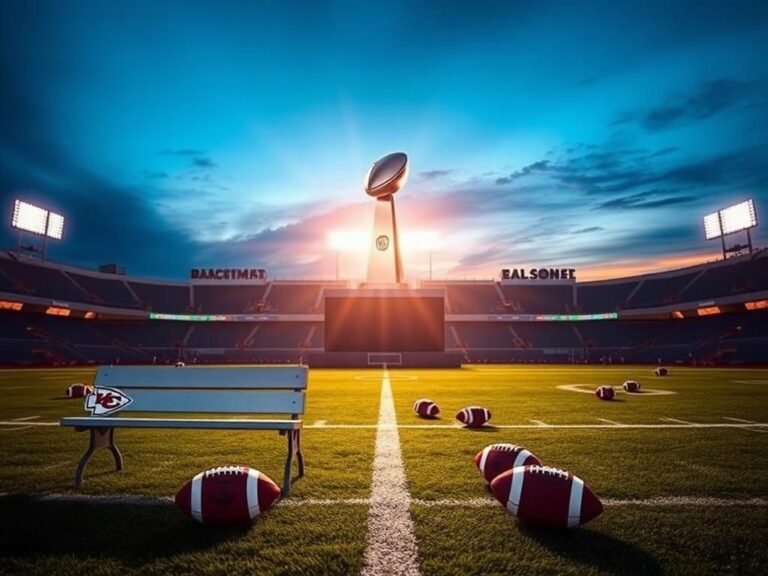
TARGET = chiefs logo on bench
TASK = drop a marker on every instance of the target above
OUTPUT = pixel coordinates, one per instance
(104, 401)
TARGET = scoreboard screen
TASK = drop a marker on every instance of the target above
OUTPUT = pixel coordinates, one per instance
(385, 324)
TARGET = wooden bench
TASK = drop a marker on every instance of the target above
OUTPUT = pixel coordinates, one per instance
(257, 390)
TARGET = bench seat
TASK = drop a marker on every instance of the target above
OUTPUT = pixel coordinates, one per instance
(244, 398)
(107, 422)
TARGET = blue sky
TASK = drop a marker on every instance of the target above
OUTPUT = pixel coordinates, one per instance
(181, 134)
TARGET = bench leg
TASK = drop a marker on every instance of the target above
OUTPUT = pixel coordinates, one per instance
(299, 454)
(100, 438)
(294, 451)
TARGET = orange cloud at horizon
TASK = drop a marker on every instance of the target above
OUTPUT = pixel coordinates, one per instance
(637, 267)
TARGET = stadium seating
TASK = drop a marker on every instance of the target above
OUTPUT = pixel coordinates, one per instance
(34, 337)
(544, 299)
(598, 297)
(168, 298)
(228, 299)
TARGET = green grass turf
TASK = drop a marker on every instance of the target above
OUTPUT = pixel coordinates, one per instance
(97, 538)
(461, 541)
(79, 538)
(519, 394)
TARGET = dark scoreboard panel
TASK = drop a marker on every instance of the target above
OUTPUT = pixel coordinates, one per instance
(385, 324)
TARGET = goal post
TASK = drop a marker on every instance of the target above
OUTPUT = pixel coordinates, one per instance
(385, 359)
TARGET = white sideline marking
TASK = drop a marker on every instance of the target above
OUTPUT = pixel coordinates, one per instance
(548, 426)
(15, 423)
(612, 422)
(750, 381)
(26, 418)
(391, 538)
(320, 423)
(590, 389)
(292, 502)
(752, 426)
(539, 423)
(653, 501)
(739, 420)
(15, 429)
(677, 421)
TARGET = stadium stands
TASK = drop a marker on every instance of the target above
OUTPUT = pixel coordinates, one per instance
(106, 291)
(644, 333)
(296, 297)
(169, 298)
(228, 299)
(544, 299)
(469, 297)
(37, 280)
(597, 297)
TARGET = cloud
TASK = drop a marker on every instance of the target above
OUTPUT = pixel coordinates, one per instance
(704, 101)
(433, 174)
(540, 166)
(639, 201)
(588, 230)
(203, 162)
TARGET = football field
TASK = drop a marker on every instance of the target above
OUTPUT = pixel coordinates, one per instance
(681, 468)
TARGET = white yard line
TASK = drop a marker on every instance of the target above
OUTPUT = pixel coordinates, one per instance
(320, 423)
(653, 501)
(26, 418)
(678, 421)
(455, 426)
(16, 423)
(539, 423)
(391, 538)
(611, 422)
(739, 420)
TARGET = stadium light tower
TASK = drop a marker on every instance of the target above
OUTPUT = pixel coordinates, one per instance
(421, 241)
(38, 221)
(346, 241)
(740, 217)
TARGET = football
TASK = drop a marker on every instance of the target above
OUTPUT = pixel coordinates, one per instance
(631, 386)
(546, 497)
(605, 392)
(227, 495)
(473, 416)
(426, 408)
(387, 175)
(661, 371)
(78, 390)
(498, 458)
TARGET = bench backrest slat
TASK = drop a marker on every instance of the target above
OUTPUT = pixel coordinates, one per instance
(215, 390)
(213, 401)
(274, 377)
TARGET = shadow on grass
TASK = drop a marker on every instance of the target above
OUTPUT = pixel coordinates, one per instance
(129, 532)
(483, 428)
(595, 550)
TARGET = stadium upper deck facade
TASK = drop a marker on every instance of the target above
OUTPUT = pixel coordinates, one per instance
(712, 313)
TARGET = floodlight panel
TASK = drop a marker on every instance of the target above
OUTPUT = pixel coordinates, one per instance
(712, 226)
(28, 217)
(55, 225)
(738, 217)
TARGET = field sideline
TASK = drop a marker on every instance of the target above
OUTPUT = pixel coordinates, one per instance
(681, 468)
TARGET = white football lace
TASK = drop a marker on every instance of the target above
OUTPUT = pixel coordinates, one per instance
(225, 470)
(506, 447)
(549, 471)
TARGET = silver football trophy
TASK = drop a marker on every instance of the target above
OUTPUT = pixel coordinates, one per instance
(385, 178)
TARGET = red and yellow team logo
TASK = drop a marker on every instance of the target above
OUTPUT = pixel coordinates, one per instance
(105, 401)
